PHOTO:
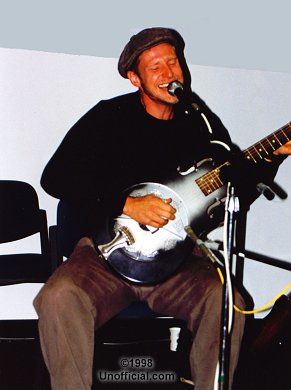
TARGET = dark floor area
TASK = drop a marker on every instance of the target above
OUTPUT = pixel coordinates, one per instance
(265, 362)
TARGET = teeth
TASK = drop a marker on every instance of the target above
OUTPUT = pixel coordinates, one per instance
(163, 85)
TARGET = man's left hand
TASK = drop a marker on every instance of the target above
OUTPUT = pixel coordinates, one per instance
(284, 149)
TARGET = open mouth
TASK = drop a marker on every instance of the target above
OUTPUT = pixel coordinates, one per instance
(163, 86)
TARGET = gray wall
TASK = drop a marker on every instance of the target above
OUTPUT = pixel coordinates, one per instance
(249, 34)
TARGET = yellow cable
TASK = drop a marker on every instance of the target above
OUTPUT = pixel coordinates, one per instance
(220, 275)
(266, 306)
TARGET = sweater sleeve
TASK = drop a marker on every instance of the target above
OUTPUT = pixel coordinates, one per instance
(78, 174)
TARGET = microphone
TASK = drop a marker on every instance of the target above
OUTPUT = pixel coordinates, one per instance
(175, 88)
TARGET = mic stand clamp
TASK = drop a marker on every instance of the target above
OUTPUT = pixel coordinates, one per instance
(270, 189)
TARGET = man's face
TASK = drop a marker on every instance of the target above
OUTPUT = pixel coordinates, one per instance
(157, 67)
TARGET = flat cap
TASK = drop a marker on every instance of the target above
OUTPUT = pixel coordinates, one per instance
(144, 40)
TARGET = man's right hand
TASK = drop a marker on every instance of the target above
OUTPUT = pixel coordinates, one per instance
(149, 210)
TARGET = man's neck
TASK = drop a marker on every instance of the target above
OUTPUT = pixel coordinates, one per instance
(158, 110)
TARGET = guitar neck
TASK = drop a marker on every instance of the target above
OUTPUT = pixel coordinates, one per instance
(211, 181)
(268, 145)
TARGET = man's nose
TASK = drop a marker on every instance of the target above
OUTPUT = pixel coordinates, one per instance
(167, 71)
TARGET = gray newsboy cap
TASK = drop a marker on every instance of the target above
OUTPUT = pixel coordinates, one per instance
(144, 40)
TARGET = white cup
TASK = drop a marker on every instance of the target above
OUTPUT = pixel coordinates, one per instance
(174, 336)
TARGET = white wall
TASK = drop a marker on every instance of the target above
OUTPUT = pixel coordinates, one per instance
(43, 94)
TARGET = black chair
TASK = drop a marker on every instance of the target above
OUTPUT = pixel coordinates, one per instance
(20, 218)
(137, 329)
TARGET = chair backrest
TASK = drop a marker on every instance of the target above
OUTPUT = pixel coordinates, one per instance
(19, 211)
(21, 217)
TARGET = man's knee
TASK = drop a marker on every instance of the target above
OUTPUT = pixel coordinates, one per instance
(54, 297)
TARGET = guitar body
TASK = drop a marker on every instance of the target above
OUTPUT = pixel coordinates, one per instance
(152, 255)
(157, 253)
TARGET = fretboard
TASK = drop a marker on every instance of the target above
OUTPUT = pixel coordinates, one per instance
(211, 181)
(266, 146)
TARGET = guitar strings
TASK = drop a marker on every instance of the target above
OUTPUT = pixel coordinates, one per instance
(275, 140)
(211, 181)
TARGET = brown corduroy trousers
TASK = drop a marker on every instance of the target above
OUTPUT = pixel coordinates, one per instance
(83, 293)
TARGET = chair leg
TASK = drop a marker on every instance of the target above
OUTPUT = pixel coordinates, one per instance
(183, 351)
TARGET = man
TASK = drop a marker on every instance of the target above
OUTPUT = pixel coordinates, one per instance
(139, 137)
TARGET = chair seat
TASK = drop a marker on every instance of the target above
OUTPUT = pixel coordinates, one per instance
(18, 330)
(138, 309)
(27, 267)
(137, 323)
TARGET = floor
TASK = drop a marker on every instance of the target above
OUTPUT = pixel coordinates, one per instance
(265, 362)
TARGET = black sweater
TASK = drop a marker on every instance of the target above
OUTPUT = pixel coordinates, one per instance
(117, 144)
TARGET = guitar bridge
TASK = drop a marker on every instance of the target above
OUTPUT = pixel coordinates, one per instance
(122, 239)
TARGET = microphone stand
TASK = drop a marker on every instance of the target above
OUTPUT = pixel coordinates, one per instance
(232, 223)
(176, 89)
(269, 190)
(231, 208)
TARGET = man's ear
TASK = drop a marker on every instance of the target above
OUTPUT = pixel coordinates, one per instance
(133, 78)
